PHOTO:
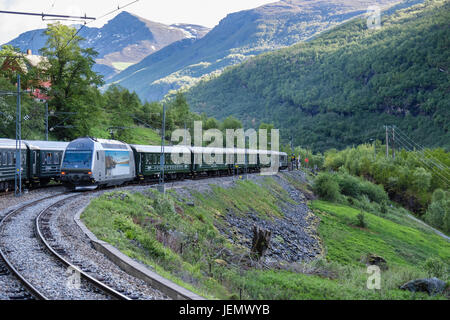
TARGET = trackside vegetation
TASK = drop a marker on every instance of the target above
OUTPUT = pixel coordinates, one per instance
(178, 236)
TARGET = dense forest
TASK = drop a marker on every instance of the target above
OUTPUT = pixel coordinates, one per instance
(342, 87)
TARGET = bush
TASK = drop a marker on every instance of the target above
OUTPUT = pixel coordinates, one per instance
(384, 207)
(349, 185)
(361, 220)
(375, 192)
(326, 187)
(435, 267)
(358, 188)
(438, 213)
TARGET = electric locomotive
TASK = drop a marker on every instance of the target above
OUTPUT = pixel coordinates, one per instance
(90, 162)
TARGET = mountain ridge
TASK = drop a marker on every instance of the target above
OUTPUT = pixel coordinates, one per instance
(122, 41)
(237, 37)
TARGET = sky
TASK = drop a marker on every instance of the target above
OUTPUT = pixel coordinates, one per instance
(203, 12)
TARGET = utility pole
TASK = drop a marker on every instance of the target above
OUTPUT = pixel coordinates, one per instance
(18, 175)
(393, 142)
(46, 121)
(387, 141)
(185, 142)
(162, 158)
(374, 149)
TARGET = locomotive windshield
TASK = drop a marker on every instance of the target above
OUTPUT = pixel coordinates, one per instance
(77, 160)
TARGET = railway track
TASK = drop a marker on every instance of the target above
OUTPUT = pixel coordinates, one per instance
(45, 235)
(38, 269)
(30, 253)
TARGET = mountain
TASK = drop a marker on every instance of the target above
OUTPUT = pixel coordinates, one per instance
(340, 88)
(123, 41)
(237, 37)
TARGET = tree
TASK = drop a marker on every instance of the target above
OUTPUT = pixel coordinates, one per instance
(179, 110)
(211, 123)
(69, 69)
(231, 123)
(438, 212)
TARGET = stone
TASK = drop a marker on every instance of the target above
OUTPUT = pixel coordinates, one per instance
(374, 260)
(221, 262)
(431, 286)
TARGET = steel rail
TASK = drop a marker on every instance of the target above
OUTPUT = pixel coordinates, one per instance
(32, 290)
(40, 234)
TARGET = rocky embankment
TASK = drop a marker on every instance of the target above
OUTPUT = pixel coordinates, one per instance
(294, 236)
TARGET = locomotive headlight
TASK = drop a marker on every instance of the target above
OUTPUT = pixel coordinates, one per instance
(89, 172)
(63, 173)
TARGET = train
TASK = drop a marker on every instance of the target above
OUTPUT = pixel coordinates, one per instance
(40, 162)
(89, 163)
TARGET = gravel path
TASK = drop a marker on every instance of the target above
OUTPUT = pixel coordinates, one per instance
(431, 228)
(36, 265)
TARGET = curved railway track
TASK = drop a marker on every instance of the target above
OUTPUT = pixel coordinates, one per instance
(29, 256)
(36, 242)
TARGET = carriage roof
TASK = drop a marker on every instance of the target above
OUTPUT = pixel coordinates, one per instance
(10, 144)
(46, 145)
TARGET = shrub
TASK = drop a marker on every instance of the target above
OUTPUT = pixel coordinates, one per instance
(358, 188)
(438, 213)
(375, 192)
(349, 185)
(361, 220)
(435, 267)
(326, 187)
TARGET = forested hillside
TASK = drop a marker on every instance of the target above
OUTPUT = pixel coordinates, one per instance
(342, 87)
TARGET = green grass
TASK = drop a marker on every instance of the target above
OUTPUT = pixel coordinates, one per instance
(134, 222)
(399, 244)
(137, 135)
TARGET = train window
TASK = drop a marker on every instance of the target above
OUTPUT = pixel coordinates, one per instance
(98, 155)
(5, 159)
(11, 158)
(48, 157)
(1, 160)
(56, 158)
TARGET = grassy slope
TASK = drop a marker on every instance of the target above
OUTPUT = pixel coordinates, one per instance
(129, 225)
(138, 135)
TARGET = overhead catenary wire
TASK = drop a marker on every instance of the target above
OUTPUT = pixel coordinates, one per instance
(430, 168)
(85, 23)
(423, 150)
(434, 161)
(405, 144)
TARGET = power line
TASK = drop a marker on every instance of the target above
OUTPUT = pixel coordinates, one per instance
(118, 8)
(438, 175)
(423, 149)
(43, 15)
(85, 23)
(404, 143)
